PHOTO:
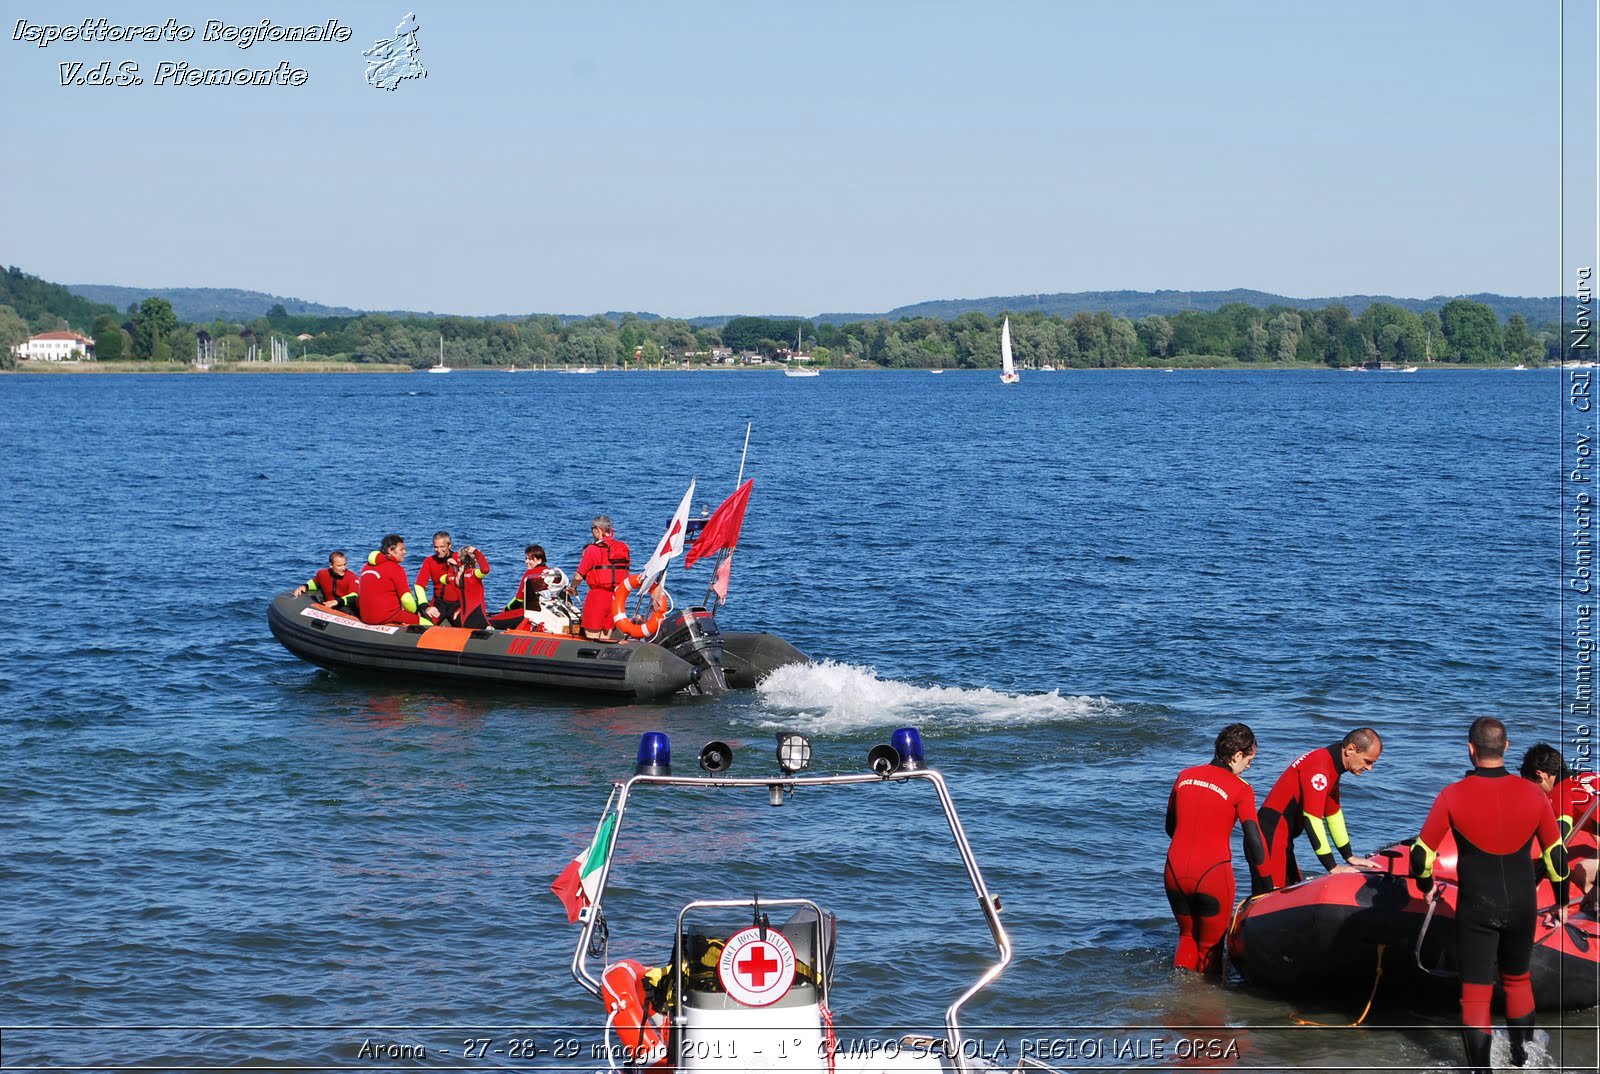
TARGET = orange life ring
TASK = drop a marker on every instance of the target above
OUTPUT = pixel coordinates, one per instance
(641, 1033)
(619, 608)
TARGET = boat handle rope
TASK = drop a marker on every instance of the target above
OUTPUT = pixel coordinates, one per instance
(1422, 934)
(1377, 979)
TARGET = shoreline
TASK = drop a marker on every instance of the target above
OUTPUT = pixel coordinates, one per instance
(136, 368)
(118, 368)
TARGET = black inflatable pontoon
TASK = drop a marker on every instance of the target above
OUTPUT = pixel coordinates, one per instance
(690, 653)
(1327, 931)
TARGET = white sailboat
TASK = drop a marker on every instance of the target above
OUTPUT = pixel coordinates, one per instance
(441, 367)
(792, 370)
(1008, 368)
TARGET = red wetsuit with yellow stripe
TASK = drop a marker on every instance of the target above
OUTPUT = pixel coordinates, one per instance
(1571, 800)
(1496, 817)
(1305, 798)
(1205, 803)
(340, 588)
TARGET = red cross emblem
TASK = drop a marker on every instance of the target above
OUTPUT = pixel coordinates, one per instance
(757, 970)
(757, 966)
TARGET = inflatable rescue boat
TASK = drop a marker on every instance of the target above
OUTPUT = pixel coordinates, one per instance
(686, 653)
(1336, 928)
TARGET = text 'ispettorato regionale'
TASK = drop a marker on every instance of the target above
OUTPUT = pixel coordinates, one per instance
(177, 72)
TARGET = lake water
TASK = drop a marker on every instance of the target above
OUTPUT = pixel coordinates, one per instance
(1068, 585)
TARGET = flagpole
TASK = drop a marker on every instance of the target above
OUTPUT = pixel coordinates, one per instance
(742, 455)
(711, 588)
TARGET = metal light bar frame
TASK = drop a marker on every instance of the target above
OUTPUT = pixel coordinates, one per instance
(590, 916)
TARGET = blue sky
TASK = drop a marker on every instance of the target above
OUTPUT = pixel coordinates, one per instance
(704, 158)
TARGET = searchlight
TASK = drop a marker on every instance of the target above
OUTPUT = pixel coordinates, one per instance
(794, 753)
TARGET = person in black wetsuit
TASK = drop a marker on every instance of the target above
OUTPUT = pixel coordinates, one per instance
(1495, 818)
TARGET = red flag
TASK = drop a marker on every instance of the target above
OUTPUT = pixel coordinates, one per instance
(719, 584)
(722, 528)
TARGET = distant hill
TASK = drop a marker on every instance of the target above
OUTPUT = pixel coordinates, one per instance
(200, 304)
(34, 298)
(1137, 304)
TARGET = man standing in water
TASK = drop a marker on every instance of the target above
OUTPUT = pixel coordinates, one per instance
(1306, 798)
(1495, 819)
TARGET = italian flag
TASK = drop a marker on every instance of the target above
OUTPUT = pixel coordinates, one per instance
(575, 887)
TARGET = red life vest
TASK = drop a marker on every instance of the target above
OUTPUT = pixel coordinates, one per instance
(610, 566)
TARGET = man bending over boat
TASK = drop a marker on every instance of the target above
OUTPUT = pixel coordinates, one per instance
(1572, 796)
(1495, 818)
(1205, 802)
(1306, 798)
(385, 593)
(604, 567)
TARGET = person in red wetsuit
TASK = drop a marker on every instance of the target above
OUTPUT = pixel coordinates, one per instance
(530, 589)
(1306, 798)
(1205, 802)
(439, 570)
(470, 567)
(385, 593)
(603, 567)
(1496, 819)
(333, 586)
(1572, 798)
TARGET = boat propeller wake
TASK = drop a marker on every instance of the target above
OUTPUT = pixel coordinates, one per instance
(838, 697)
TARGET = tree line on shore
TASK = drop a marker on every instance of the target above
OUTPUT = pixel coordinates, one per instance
(1460, 331)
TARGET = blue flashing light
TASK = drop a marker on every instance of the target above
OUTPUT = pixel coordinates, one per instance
(908, 742)
(655, 755)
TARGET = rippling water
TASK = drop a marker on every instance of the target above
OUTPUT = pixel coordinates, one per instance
(1069, 586)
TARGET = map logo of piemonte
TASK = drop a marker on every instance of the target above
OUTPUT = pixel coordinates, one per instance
(757, 970)
(390, 61)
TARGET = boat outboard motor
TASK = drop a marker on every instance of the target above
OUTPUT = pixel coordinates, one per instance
(692, 634)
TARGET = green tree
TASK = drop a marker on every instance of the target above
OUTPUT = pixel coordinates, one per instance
(108, 339)
(1155, 335)
(154, 322)
(1520, 342)
(1257, 342)
(1283, 336)
(13, 333)
(1471, 333)
(1397, 334)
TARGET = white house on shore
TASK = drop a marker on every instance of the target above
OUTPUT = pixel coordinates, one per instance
(55, 347)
